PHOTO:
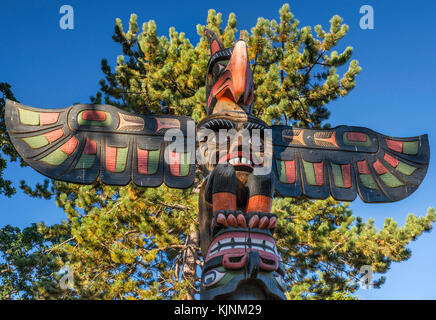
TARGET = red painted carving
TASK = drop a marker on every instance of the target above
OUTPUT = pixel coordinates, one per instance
(46, 118)
(290, 171)
(241, 253)
(90, 147)
(272, 223)
(215, 46)
(174, 158)
(395, 145)
(241, 221)
(238, 66)
(54, 135)
(223, 88)
(254, 221)
(223, 201)
(319, 173)
(346, 175)
(221, 219)
(229, 261)
(142, 161)
(111, 159)
(259, 203)
(356, 136)
(379, 167)
(69, 146)
(237, 80)
(231, 220)
(92, 115)
(362, 167)
(391, 160)
(264, 222)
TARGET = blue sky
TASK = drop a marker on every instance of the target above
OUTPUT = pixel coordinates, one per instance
(395, 94)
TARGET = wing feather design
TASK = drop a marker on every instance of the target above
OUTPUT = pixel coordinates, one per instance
(83, 142)
(345, 161)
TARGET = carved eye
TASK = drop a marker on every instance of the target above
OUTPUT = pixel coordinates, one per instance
(212, 277)
(219, 68)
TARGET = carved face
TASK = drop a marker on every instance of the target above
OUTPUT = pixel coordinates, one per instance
(231, 139)
(229, 83)
(242, 252)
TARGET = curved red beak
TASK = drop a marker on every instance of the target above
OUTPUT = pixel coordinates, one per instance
(236, 84)
(238, 66)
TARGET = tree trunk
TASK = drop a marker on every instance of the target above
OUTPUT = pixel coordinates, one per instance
(189, 271)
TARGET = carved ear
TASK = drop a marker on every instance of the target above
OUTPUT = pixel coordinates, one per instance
(214, 41)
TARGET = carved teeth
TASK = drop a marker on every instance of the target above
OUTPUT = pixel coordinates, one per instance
(214, 246)
(246, 161)
(225, 241)
(240, 160)
(241, 243)
(256, 241)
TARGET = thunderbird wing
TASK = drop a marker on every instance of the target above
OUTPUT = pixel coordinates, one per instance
(345, 161)
(83, 142)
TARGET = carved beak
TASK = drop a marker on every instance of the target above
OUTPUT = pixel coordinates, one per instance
(238, 67)
(236, 84)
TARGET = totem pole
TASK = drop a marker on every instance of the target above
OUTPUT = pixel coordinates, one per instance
(243, 167)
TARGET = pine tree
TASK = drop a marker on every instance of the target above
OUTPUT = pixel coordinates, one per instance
(136, 243)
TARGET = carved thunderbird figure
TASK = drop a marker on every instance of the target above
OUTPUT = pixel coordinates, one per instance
(84, 142)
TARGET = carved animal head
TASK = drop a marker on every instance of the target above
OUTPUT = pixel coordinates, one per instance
(230, 133)
(229, 82)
